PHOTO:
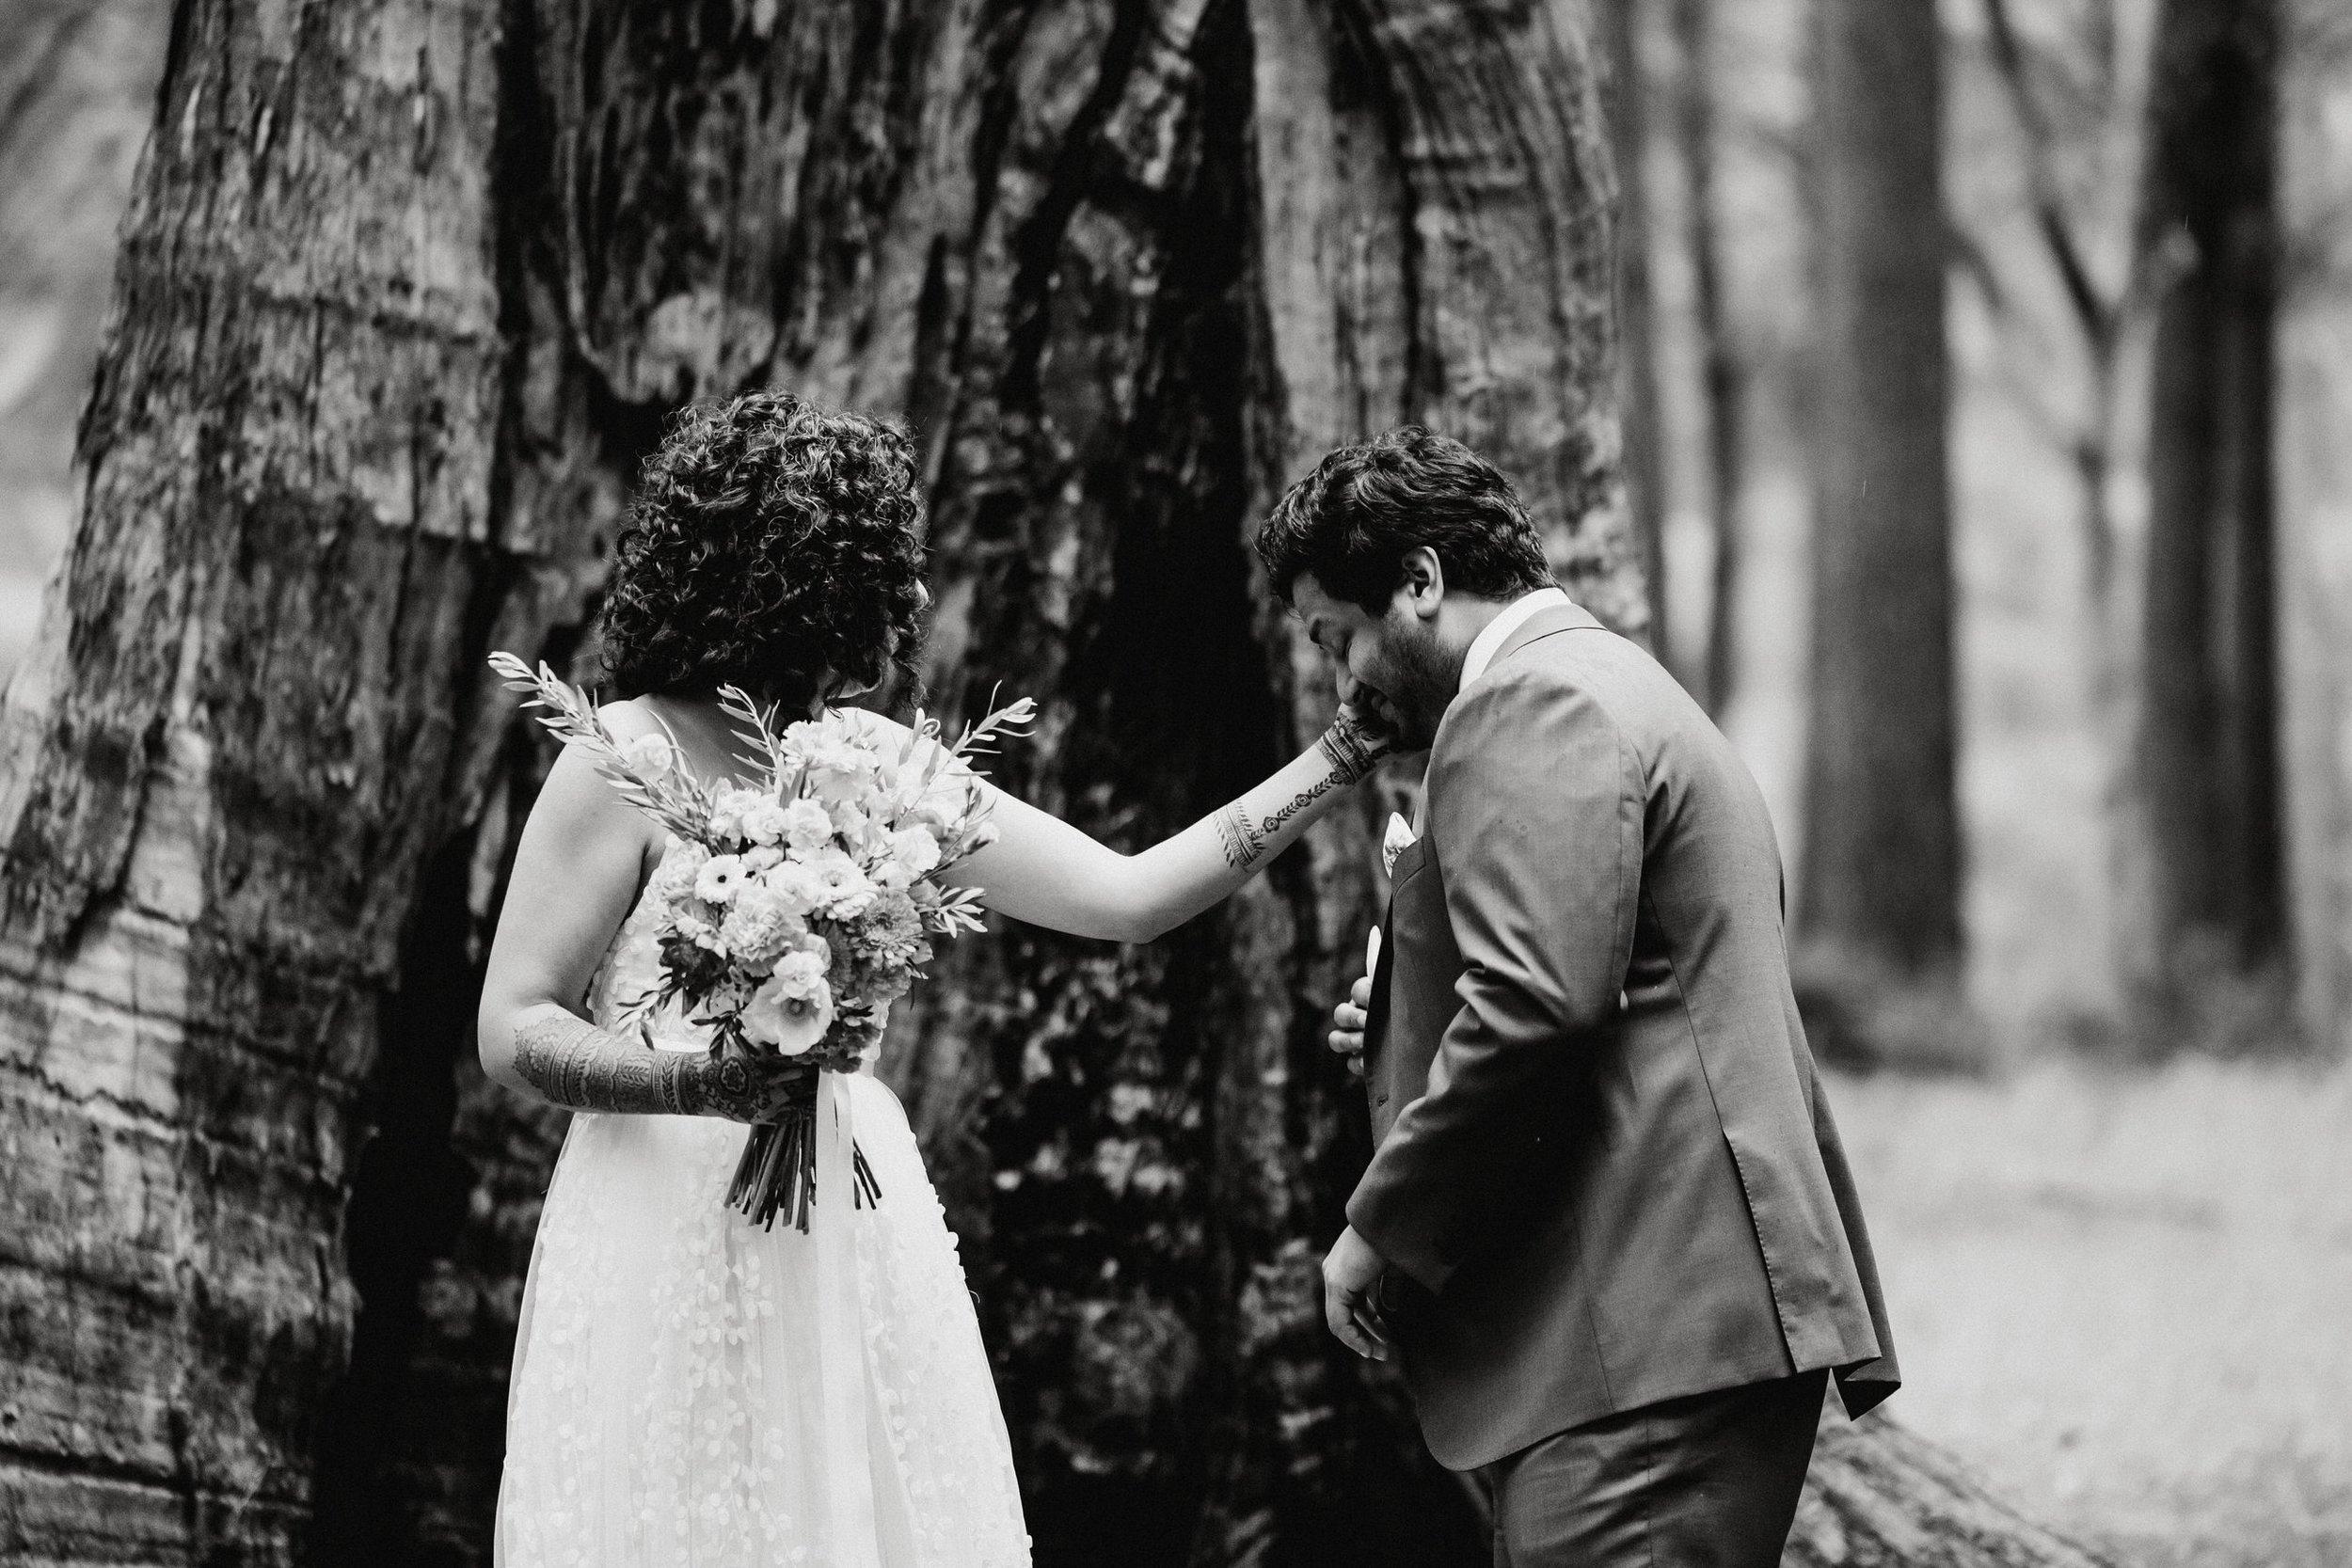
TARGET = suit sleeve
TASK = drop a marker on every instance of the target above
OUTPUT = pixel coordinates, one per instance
(1536, 816)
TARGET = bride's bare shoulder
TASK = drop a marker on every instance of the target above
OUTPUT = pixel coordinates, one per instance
(575, 800)
(628, 717)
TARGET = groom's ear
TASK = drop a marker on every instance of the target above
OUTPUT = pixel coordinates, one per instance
(1423, 584)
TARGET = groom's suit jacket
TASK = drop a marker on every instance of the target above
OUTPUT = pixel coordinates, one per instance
(1605, 1163)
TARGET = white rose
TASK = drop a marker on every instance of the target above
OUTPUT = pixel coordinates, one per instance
(792, 1023)
(761, 858)
(806, 827)
(718, 878)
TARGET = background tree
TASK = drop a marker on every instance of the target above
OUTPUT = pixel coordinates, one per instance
(1722, 375)
(2209, 758)
(1878, 905)
(1625, 104)
(363, 418)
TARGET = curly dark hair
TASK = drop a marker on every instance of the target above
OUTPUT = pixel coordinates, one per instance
(772, 545)
(1349, 523)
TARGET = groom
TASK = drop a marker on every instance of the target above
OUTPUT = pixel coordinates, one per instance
(1608, 1229)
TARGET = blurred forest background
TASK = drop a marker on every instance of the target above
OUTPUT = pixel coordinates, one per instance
(1990, 465)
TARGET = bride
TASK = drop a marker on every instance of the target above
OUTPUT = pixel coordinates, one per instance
(689, 1388)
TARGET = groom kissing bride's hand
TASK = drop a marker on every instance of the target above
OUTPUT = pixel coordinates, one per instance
(1608, 1231)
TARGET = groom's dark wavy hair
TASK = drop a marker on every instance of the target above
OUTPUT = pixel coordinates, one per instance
(772, 542)
(1349, 523)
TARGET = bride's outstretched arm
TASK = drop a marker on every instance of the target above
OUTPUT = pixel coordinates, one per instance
(1047, 872)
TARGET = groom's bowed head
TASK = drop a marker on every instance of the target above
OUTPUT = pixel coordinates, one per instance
(1396, 553)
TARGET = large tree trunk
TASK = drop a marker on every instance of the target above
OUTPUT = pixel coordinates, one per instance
(2209, 784)
(227, 759)
(366, 416)
(1879, 900)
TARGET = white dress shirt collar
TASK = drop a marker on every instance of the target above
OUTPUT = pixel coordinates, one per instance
(1490, 643)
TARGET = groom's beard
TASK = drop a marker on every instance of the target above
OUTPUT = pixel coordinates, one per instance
(1415, 680)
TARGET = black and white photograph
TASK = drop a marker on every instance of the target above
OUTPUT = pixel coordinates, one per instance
(1176, 783)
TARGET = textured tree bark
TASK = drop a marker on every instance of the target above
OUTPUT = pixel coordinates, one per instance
(407, 292)
(2209, 766)
(225, 760)
(1878, 905)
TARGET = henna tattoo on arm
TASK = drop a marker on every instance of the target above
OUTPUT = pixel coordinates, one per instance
(1242, 844)
(1352, 753)
(1299, 802)
(573, 1063)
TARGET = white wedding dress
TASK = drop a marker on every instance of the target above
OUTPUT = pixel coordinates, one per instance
(691, 1391)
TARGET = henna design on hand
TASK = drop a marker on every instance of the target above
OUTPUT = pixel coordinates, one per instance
(1354, 750)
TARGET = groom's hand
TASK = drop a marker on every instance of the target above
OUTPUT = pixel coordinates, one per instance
(1351, 1274)
(1350, 1017)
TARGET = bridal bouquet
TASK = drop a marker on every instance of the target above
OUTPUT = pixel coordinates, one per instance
(794, 910)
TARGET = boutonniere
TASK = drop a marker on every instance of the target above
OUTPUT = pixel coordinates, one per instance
(1394, 842)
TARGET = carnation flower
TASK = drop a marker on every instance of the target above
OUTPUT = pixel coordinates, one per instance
(806, 827)
(717, 880)
(797, 887)
(680, 867)
(760, 858)
(728, 810)
(758, 926)
(849, 820)
(765, 819)
(847, 889)
(800, 974)
(839, 769)
(915, 849)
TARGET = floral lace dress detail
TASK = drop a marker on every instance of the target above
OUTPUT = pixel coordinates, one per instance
(692, 1391)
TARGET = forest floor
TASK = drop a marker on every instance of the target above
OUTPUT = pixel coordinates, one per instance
(2126, 1298)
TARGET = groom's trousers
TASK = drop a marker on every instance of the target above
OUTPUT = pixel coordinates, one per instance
(1706, 1482)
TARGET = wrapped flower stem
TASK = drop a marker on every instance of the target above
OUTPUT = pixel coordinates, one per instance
(777, 1172)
